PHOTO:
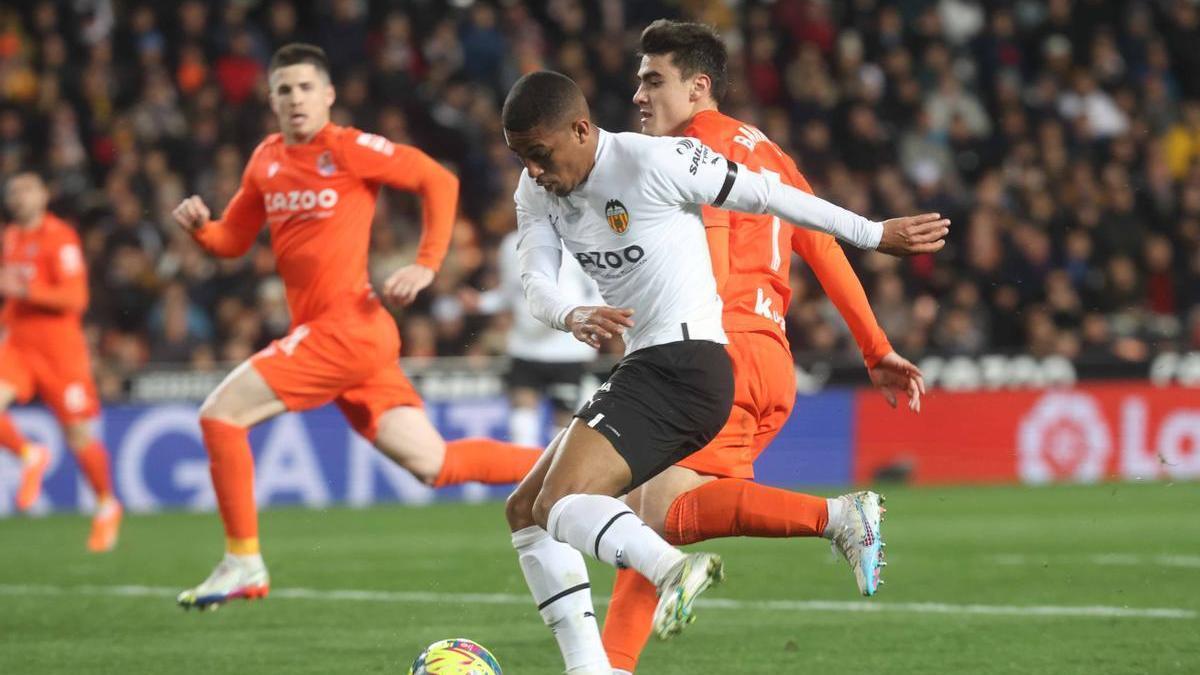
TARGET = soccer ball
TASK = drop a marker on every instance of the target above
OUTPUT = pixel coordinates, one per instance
(456, 656)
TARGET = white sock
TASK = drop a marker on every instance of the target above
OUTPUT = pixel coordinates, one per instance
(608, 530)
(558, 578)
(253, 560)
(617, 671)
(524, 427)
(836, 512)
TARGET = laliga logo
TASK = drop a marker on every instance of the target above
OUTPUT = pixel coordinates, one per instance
(299, 200)
(1065, 436)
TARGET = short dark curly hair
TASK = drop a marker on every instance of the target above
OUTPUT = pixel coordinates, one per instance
(541, 98)
(694, 48)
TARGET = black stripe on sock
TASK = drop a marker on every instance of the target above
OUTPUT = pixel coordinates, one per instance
(563, 594)
(730, 176)
(605, 529)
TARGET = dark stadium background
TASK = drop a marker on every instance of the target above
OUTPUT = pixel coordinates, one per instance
(1061, 137)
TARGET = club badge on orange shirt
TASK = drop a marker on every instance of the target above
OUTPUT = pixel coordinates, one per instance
(618, 217)
(325, 165)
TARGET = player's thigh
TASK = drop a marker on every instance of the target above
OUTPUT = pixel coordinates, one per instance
(307, 368)
(64, 382)
(653, 499)
(16, 378)
(243, 398)
(779, 387)
(585, 463)
(407, 437)
(518, 508)
(764, 393)
(367, 402)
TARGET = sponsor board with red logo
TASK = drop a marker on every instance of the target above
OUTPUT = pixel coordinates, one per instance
(1086, 433)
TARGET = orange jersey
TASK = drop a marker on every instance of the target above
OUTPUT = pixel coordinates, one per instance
(752, 252)
(50, 261)
(318, 199)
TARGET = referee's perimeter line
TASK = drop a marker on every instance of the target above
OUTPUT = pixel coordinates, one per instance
(870, 607)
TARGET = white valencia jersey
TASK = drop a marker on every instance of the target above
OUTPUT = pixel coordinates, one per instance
(530, 339)
(634, 225)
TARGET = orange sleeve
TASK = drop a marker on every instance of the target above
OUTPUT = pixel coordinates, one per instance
(407, 168)
(828, 261)
(234, 234)
(66, 290)
(716, 230)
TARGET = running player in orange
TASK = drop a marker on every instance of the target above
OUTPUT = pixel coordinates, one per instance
(711, 493)
(314, 184)
(43, 281)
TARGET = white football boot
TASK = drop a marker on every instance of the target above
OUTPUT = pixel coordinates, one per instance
(685, 582)
(234, 577)
(859, 539)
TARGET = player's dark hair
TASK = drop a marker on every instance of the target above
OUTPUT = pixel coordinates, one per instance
(541, 98)
(295, 53)
(694, 48)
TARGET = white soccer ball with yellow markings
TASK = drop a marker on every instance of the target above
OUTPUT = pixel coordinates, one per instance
(456, 656)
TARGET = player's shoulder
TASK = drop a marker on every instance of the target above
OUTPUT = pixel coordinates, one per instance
(272, 143)
(56, 229)
(635, 154)
(354, 138)
(727, 135)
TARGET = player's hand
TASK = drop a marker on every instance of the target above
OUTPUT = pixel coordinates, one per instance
(12, 284)
(402, 287)
(192, 213)
(913, 235)
(591, 325)
(893, 374)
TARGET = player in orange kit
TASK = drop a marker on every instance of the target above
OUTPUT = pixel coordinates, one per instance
(315, 185)
(710, 494)
(43, 281)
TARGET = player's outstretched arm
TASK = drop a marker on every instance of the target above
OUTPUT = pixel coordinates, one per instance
(894, 374)
(828, 262)
(691, 173)
(230, 237)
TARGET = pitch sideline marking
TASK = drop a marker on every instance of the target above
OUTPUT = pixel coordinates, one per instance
(347, 595)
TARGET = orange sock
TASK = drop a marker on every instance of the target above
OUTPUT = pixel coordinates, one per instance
(93, 461)
(232, 469)
(629, 619)
(732, 507)
(486, 461)
(10, 438)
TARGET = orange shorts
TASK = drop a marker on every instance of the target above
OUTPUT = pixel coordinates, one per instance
(350, 357)
(59, 373)
(764, 391)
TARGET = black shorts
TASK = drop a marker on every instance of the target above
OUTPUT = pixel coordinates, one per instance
(662, 403)
(560, 382)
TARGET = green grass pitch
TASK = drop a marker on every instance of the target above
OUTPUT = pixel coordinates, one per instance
(981, 580)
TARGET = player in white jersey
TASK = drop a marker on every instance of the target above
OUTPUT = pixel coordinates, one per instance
(627, 207)
(543, 361)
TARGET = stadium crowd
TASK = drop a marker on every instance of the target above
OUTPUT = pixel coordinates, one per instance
(1062, 136)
